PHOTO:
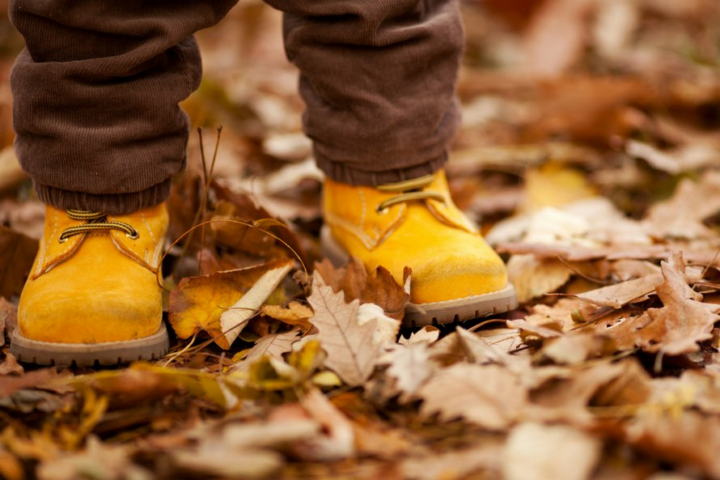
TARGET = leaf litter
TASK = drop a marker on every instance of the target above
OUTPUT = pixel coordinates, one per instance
(589, 156)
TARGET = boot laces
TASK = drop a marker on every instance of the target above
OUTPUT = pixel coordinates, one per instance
(409, 191)
(96, 221)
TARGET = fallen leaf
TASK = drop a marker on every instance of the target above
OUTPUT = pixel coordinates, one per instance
(295, 314)
(619, 295)
(557, 36)
(683, 321)
(275, 433)
(10, 365)
(427, 334)
(10, 385)
(489, 396)
(17, 253)
(8, 320)
(218, 460)
(456, 465)
(535, 277)
(565, 393)
(352, 352)
(338, 441)
(550, 452)
(379, 287)
(233, 320)
(10, 171)
(274, 345)
(576, 349)
(409, 367)
(98, 460)
(197, 303)
(386, 328)
(682, 216)
(689, 439)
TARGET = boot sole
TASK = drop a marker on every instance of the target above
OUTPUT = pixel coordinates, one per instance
(436, 313)
(89, 354)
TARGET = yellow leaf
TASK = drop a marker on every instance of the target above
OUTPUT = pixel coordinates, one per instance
(554, 185)
(197, 303)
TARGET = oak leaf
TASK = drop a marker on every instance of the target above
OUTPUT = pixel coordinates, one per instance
(678, 326)
(409, 367)
(489, 396)
(378, 287)
(352, 353)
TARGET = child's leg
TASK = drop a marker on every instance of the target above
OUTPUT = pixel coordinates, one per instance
(379, 81)
(96, 97)
(100, 132)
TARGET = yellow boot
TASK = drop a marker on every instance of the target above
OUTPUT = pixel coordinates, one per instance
(456, 275)
(92, 296)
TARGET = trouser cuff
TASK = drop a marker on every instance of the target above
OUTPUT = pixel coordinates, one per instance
(121, 204)
(340, 172)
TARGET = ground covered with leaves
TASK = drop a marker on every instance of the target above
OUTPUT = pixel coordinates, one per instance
(590, 155)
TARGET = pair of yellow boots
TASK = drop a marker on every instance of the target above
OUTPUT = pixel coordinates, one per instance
(93, 298)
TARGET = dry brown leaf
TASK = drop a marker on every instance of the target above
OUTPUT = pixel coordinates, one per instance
(212, 459)
(456, 465)
(10, 385)
(557, 36)
(8, 320)
(379, 287)
(243, 207)
(682, 216)
(550, 452)
(576, 349)
(112, 462)
(409, 367)
(336, 437)
(17, 253)
(529, 330)
(273, 346)
(619, 295)
(352, 353)
(683, 321)
(427, 334)
(10, 365)
(535, 277)
(564, 394)
(687, 439)
(10, 171)
(462, 345)
(198, 302)
(295, 314)
(233, 320)
(561, 316)
(489, 396)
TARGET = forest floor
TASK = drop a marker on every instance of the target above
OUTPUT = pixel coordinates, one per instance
(590, 155)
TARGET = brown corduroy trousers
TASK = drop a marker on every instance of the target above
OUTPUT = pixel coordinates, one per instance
(96, 91)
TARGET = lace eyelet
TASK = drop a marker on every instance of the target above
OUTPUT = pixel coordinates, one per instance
(133, 236)
(382, 211)
(62, 240)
